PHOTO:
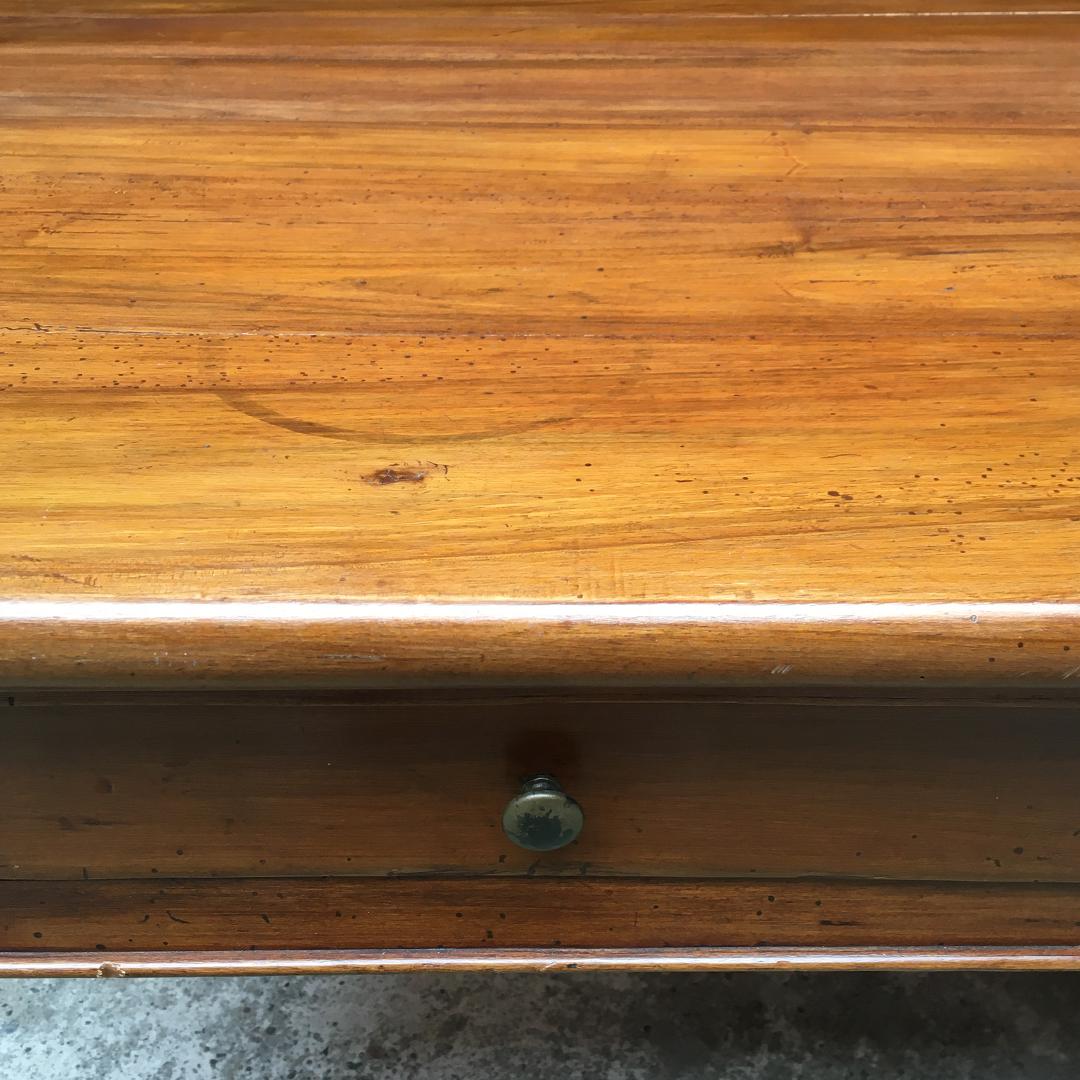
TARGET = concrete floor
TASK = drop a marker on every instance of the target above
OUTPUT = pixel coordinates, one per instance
(615, 1027)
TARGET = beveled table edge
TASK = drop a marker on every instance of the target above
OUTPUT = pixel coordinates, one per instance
(321, 644)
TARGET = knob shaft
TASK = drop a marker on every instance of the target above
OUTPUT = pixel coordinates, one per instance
(542, 817)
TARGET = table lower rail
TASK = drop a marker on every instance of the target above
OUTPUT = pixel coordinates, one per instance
(119, 965)
(267, 925)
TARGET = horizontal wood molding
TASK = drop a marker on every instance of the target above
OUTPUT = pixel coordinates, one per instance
(119, 965)
(812, 648)
(355, 914)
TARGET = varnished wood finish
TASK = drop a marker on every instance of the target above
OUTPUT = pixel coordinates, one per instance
(97, 965)
(588, 303)
(364, 914)
(975, 793)
(1015, 649)
(689, 345)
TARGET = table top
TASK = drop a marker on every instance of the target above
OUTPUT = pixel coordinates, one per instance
(661, 343)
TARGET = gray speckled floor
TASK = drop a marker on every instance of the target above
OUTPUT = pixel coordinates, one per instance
(473, 1027)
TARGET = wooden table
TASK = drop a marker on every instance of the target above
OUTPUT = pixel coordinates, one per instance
(400, 400)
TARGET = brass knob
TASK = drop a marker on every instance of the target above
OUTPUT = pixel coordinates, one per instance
(541, 816)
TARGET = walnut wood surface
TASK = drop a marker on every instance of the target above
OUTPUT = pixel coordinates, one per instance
(367, 914)
(184, 789)
(539, 302)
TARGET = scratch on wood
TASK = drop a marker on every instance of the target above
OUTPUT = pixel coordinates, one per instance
(404, 474)
(247, 405)
(371, 657)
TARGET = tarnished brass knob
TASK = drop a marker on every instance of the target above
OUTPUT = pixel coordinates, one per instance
(541, 816)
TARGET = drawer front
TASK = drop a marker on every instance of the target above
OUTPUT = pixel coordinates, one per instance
(694, 790)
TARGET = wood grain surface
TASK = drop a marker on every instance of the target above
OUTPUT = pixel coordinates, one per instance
(183, 789)
(534, 302)
(342, 914)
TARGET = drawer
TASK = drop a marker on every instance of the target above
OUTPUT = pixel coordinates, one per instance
(185, 788)
(153, 835)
